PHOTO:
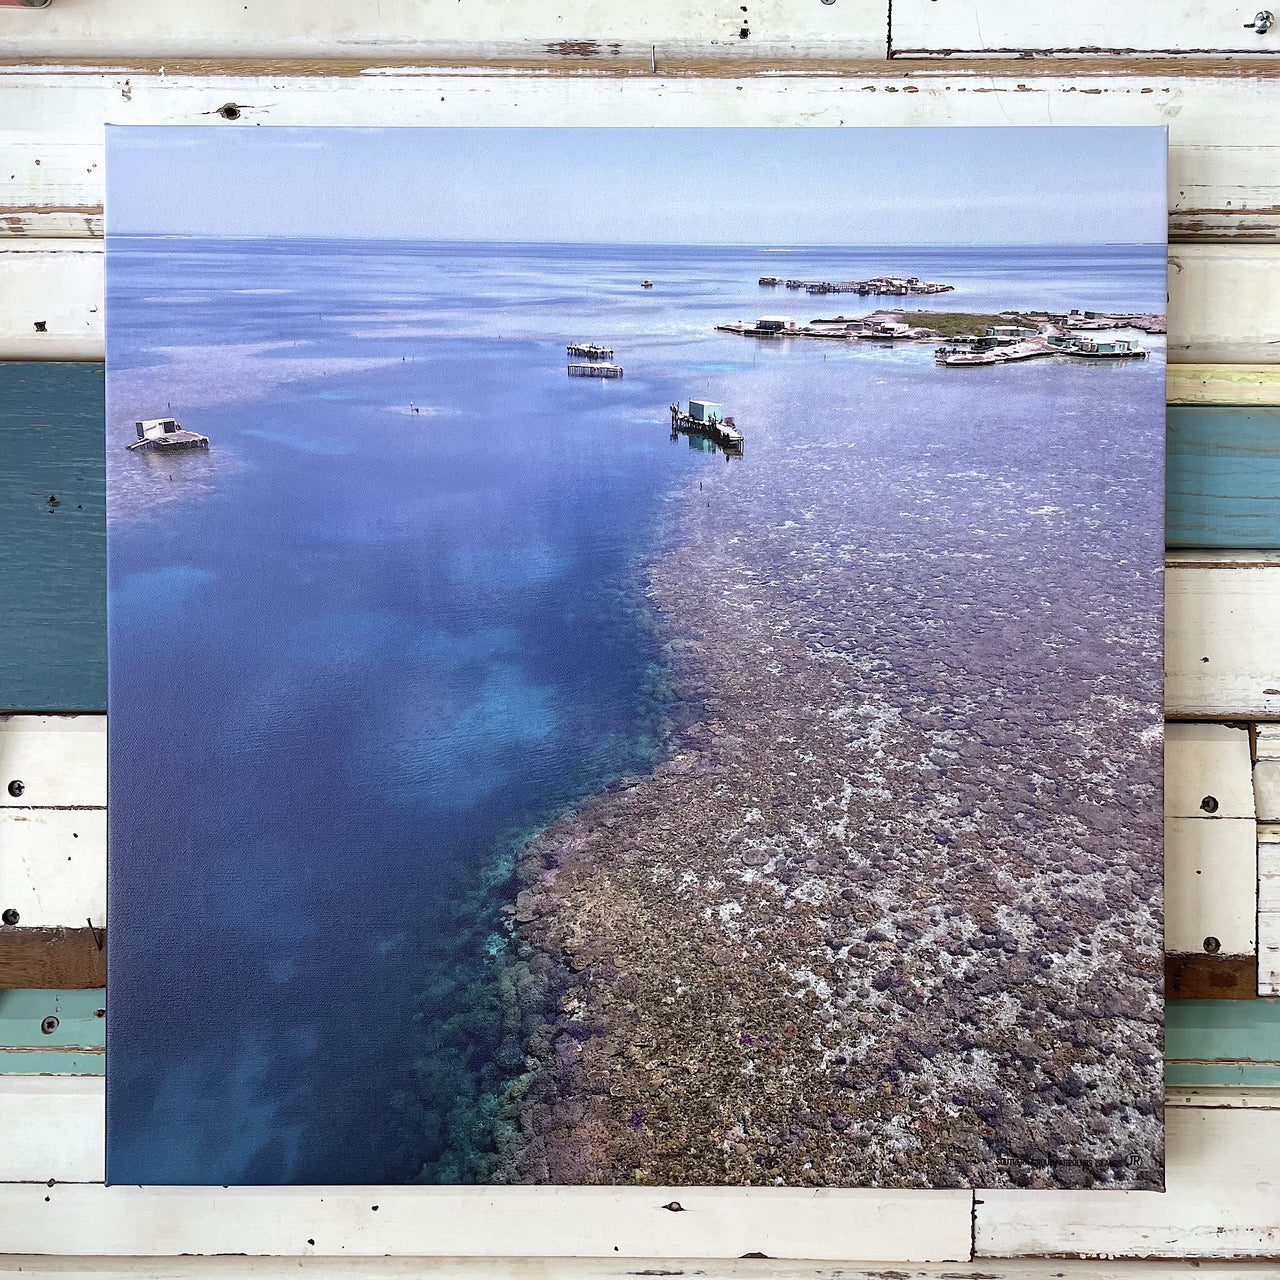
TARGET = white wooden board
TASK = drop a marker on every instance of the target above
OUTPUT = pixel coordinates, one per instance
(1207, 770)
(53, 866)
(53, 1127)
(1224, 124)
(592, 29)
(1211, 875)
(1269, 910)
(615, 1268)
(1222, 636)
(1222, 1199)
(469, 1221)
(954, 27)
(1224, 301)
(59, 761)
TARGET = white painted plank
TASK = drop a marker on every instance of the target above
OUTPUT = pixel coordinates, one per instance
(1222, 1175)
(1266, 789)
(1224, 125)
(432, 28)
(1269, 910)
(1222, 636)
(950, 27)
(53, 865)
(1211, 870)
(722, 1222)
(51, 300)
(1207, 771)
(615, 1268)
(56, 761)
(53, 1127)
(1224, 301)
(1224, 304)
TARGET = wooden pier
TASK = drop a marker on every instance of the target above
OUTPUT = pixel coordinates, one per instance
(706, 419)
(589, 350)
(595, 370)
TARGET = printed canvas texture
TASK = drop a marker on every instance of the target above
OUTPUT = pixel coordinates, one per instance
(635, 656)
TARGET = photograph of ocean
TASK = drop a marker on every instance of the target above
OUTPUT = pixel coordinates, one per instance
(507, 787)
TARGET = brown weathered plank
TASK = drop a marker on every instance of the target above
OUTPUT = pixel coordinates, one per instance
(52, 959)
(1205, 977)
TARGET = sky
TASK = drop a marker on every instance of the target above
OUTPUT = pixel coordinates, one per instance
(786, 186)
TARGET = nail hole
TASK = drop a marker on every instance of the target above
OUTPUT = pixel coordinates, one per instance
(1209, 804)
(1212, 946)
(42, 326)
(49, 1025)
(743, 33)
(229, 111)
(17, 787)
(99, 1013)
(10, 915)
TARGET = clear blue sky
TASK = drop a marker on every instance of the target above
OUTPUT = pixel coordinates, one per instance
(675, 186)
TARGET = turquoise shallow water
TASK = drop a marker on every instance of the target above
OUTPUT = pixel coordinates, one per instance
(358, 652)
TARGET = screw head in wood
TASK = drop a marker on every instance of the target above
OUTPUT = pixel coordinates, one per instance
(49, 1025)
(10, 915)
(1212, 946)
(17, 787)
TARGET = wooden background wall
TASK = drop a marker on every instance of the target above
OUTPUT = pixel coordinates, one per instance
(67, 70)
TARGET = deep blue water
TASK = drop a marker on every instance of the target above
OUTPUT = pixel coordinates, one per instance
(357, 652)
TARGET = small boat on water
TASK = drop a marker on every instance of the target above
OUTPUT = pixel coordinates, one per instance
(166, 433)
(646, 284)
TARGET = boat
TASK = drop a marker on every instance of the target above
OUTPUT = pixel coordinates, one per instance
(647, 284)
(166, 433)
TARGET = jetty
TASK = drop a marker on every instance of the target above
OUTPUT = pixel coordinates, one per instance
(166, 433)
(1004, 346)
(589, 350)
(891, 286)
(595, 369)
(706, 419)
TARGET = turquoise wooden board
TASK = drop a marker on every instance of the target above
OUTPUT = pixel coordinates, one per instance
(1211, 1042)
(53, 574)
(1222, 480)
(1222, 491)
(74, 1048)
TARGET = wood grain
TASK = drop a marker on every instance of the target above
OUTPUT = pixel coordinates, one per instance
(55, 958)
(1205, 977)
(1223, 115)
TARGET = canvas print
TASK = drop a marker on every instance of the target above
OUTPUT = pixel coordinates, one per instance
(635, 656)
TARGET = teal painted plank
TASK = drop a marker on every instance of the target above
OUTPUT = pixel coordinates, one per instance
(80, 1025)
(1222, 491)
(1210, 1042)
(52, 1062)
(1222, 479)
(53, 574)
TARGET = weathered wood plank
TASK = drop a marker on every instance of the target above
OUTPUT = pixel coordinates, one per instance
(1207, 771)
(1222, 477)
(1222, 1166)
(1210, 977)
(58, 959)
(951, 28)
(1224, 301)
(1224, 120)
(53, 866)
(1222, 636)
(1223, 384)
(1211, 870)
(615, 1268)
(721, 1222)
(1269, 910)
(53, 1128)
(52, 1033)
(53, 578)
(590, 30)
(53, 761)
